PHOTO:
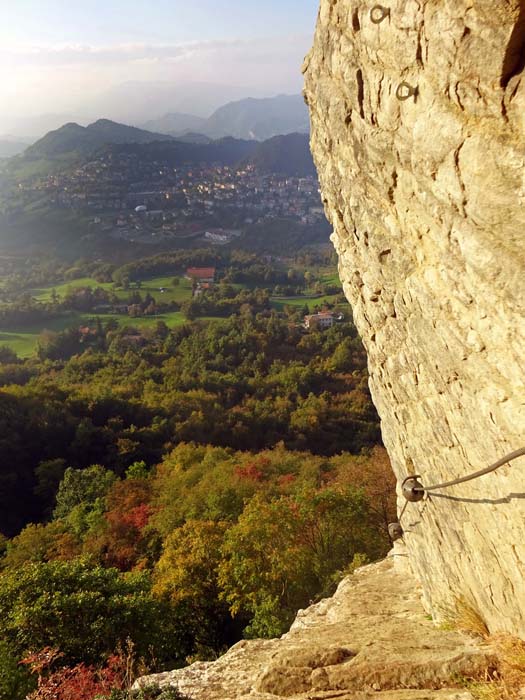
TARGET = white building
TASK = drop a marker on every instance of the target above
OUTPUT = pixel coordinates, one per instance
(320, 321)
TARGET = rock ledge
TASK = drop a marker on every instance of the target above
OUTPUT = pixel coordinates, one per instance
(371, 639)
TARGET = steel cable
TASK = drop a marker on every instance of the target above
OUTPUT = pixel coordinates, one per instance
(475, 475)
(418, 488)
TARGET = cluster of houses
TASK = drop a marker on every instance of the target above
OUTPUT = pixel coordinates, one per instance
(149, 201)
(320, 321)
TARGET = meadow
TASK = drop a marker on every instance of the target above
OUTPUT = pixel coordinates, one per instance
(23, 339)
(153, 286)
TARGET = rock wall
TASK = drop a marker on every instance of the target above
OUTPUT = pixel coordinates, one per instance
(426, 196)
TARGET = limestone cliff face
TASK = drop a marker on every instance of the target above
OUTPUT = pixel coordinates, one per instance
(427, 199)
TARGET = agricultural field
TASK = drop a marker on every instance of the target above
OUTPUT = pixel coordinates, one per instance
(279, 303)
(23, 340)
(152, 286)
(326, 276)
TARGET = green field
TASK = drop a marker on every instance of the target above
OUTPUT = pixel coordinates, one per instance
(23, 340)
(331, 277)
(299, 302)
(22, 343)
(326, 276)
(179, 293)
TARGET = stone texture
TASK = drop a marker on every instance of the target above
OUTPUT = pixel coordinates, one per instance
(426, 197)
(371, 640)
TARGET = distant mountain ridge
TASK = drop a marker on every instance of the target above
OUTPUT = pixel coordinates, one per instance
(73, 138)
(72, 145)
(136, 101)
(176, 124)
(9, 148)
(250, 118)
(260, 119)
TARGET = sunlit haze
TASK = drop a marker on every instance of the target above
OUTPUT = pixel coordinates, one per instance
(129, 59)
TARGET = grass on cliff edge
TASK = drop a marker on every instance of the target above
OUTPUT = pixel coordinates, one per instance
(506, 681)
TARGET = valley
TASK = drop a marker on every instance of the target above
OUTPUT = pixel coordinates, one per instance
(179, 371)
(85, 204)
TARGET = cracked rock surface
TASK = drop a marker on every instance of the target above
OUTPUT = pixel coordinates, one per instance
(426, 197)
(372, 639)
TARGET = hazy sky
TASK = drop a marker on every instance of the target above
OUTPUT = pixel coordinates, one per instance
(62, 55)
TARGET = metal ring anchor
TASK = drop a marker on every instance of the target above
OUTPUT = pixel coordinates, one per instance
(379, 13)
(412, 489)
(405, 91)
(395, 531)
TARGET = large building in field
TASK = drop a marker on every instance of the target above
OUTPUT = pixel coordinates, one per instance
(201, 274)
(320, 321)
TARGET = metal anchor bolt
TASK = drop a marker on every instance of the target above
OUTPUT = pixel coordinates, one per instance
(395, 531)
(405, 90)
(379, 13)
(412, 489)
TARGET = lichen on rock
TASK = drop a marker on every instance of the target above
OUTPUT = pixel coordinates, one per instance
(426, 196)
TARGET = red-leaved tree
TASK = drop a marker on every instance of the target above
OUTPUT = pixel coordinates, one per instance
(79, 682)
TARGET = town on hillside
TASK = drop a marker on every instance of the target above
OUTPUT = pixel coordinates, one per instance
(147, 201)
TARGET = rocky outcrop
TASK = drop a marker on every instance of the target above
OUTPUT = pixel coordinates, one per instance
(418, 133)
(371, 640)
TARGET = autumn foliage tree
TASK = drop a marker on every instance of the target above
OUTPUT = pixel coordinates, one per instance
(286, 551)
(188, 573)
(80, 682)
(122, 540)
(86, 612)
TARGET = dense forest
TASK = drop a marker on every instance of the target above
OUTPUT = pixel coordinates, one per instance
(165, 492)
(248, 383)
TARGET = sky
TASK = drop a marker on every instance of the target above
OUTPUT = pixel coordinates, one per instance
(83, 56)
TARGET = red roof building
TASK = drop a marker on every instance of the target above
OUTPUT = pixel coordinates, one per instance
(201, 274)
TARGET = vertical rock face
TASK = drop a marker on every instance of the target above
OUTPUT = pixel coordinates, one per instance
(427, 199)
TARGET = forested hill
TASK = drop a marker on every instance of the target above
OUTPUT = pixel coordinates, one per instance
(227, 151)
(244, 383)
(73, 145)
(86, 140)
(289, 154)
(166, 491)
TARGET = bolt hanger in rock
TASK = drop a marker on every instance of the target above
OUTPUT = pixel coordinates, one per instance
(412, 489)
(395, 531)
(379, 13)
(405, 91)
